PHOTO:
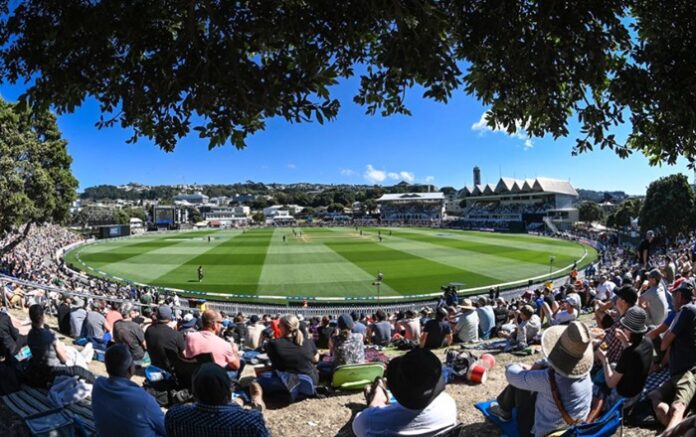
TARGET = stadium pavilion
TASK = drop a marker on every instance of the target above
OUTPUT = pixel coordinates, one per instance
(521, 204)
(412, 208)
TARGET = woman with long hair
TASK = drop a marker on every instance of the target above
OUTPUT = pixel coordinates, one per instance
(292, 352)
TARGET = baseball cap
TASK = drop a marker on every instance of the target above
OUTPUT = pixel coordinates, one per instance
(164, 313)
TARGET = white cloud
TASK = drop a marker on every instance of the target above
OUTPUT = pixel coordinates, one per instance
(347, 172)
(373, 175)
(482, 127)
(407, 176)
(429, 179)
(292, 166)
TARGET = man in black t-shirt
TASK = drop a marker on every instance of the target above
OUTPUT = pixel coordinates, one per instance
(644, 249)
(437, 332)
(159, 336)
(63, 315)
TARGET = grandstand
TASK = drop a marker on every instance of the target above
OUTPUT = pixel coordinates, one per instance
(412, 208)
(519, 205)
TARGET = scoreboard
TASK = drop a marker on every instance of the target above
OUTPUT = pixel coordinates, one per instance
(113, 231)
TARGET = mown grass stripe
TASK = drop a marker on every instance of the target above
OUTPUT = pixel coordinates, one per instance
(232, 266)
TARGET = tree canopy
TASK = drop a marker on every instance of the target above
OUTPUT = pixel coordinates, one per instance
(221, 69)
(669, 206)
(590, 212)
(36, 184)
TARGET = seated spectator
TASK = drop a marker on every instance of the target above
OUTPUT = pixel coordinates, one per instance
(671, 398)
(240, 329)
(128, 332)
(486, 318)
(292, 352)
(160, 336)
(654, 299)
(77, 318)
(114, 313)
(380, 332)
(358, 326)
(213, 414)
(48, 354)
(437, 332)
(347, 347)
(612, 346)
(565, 313)
(95, 324)
(628, 378)
(466, 329)
(527, 327)
(121, 407)
(11, 341)
(188, 324)
(562, 384)
(325, 331)
(254, 331)
(206, 341)
(410, 325)
(422, 406)
(63, 315)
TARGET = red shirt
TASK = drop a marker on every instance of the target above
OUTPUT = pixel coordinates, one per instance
(204, 342)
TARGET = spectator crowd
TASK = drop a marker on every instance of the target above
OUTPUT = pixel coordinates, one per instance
(604, 335)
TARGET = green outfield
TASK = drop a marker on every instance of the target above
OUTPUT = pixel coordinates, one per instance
(327, 261)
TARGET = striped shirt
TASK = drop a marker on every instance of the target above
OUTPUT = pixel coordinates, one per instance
(231, 420)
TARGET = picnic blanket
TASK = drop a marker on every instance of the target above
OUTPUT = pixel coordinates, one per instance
(654, 380)
(31, 401)
(486, 345)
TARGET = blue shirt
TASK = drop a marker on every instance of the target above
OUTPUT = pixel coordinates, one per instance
(486, 319)
(359, 328)
(122, 408)
(231, 420)
(576, 395)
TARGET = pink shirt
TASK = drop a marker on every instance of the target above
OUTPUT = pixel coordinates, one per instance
(204, 342)
(112, 317)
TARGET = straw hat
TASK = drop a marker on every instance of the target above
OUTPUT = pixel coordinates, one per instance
(568, 349)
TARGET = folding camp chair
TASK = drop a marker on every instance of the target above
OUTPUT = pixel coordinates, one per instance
(356, 376)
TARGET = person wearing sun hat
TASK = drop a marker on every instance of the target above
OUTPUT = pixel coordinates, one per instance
(422, 405)
(628, 378)
(466, 329)
(561, 382)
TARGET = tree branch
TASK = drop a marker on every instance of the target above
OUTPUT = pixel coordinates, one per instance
(5, 249)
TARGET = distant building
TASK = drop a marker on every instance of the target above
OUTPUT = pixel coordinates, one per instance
(477, 176)
(515, 204)
(196, 198)
(412, 208)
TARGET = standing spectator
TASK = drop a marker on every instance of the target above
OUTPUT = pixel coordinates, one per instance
(644, 249)
(128, 332)
(213, 414)
(380, 333)
(654, 299)
(160, 336)
(240, 329)
(146, 300)
(466, 329)
(671, 398)
(207, 341)
(121, 407)
(437, 332)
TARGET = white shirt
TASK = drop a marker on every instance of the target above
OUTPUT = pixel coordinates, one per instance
(396, 420)
(605, 290)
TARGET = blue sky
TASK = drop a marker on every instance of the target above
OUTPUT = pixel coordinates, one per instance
(439, 143)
